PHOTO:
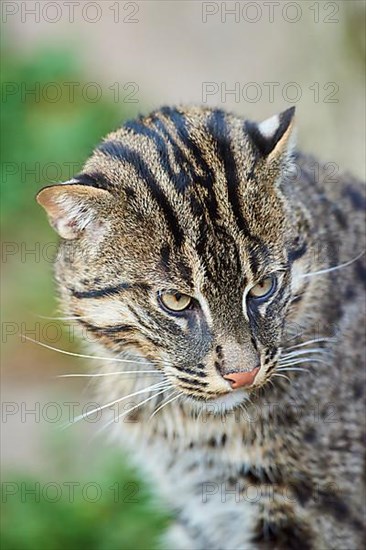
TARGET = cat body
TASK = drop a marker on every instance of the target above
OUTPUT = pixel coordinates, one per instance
(224, 271)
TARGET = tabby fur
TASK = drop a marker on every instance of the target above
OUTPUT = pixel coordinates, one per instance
(201, 201)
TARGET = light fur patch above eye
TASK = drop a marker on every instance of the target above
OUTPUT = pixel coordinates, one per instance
(298, 282)
(244, 303)
(110, 312)
(205, 308)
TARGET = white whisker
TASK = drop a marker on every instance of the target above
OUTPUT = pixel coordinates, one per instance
(110, 404)
(166, 403)
(67, 317)
(293, 369)
(334, 268)
(304, 352)
(132, 409)
(292, 336)
(300, 360)
(108, 374)
(313, 341)
(83, 356)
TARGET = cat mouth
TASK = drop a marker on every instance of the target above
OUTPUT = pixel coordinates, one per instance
(240, 389)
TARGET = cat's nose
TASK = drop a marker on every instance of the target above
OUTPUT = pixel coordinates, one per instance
(242, 379)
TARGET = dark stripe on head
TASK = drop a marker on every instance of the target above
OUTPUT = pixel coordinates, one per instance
(121, 152)
(130, 193)
(108, 330)
(220, 133)
(202, 226)
(207, 179)
(254, 260)
(165, 255)
(94, 180)
(185, 272)
(137, 127)
(259, 255)
(204, 204)
(100, 292)
(186, 175)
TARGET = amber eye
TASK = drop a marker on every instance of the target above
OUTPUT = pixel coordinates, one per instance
(175, 301)
(264, 289)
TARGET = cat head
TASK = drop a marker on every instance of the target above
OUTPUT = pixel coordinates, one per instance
(178, 241)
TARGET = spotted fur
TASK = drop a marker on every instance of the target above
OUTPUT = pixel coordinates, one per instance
(201, 201)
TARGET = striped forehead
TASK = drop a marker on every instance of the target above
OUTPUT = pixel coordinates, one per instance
(175, 158)
(186, 170)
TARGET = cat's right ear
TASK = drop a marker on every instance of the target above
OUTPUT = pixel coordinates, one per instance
(274, 138)
(72, 208)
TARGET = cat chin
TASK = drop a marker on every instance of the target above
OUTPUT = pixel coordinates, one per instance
(222, 404)
(231, 400)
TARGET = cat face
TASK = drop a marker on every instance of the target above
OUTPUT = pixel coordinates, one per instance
(178, 240)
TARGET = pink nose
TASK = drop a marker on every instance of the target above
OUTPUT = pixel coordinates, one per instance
(241, 379)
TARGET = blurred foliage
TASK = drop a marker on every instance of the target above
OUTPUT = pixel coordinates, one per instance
(36, 131)
(107, 510)
(354, 32)
(40, 139)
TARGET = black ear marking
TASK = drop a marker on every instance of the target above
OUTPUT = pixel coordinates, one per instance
(266, 135)
(94, 179)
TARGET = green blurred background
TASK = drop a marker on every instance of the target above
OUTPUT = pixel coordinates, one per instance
(39, 509)
(164, 56)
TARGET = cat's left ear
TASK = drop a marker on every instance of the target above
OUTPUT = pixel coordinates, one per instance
(74, 209)
(273, 138)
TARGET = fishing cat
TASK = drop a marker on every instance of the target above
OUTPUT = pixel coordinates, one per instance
(220, 272)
